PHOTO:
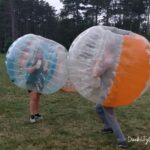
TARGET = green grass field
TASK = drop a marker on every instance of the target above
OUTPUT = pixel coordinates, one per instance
(70, 123)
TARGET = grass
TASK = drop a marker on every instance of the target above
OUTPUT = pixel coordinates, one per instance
(70, 121)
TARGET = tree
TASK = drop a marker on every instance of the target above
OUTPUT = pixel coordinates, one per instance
(11, 8)
(19, 17)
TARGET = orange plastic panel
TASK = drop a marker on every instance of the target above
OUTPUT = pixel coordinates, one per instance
(132, 72)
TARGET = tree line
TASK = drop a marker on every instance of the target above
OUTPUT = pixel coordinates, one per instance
(19, 17)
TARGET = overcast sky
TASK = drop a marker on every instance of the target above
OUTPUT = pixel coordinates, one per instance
(55, 3)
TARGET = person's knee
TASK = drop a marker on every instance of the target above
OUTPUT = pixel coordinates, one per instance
(109, 112)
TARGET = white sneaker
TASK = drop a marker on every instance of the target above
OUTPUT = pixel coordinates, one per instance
(36, 118)
(32, 120)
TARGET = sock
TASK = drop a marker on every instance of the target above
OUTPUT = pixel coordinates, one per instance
(32, 116)
(37, 114)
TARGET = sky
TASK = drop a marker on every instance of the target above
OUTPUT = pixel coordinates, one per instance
(55, 3)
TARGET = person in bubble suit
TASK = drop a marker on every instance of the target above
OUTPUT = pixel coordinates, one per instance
(35, 84)
(37, 71)
(106, 114)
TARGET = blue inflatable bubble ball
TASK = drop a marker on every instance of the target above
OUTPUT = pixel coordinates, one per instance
(36, 63)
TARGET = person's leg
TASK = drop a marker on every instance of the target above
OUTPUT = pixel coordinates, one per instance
(34, 102)
(112, 120)
(101, 115)
(34, 106)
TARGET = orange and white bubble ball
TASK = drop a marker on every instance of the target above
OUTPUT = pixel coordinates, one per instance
(110, 66)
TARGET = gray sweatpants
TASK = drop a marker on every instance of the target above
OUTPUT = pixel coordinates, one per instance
(107, 115)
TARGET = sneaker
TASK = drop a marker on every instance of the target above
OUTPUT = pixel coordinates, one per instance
(107, 130)
(123, 144)
(32, 119)
(38, 117)
(35, 118)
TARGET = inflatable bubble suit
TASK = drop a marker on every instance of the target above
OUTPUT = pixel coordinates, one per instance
(110, 66)
(36, 63)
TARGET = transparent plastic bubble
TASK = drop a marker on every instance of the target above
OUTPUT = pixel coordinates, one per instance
(36, 63)
(94, 58)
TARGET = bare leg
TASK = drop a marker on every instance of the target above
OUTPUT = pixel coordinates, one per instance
(34, 102)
